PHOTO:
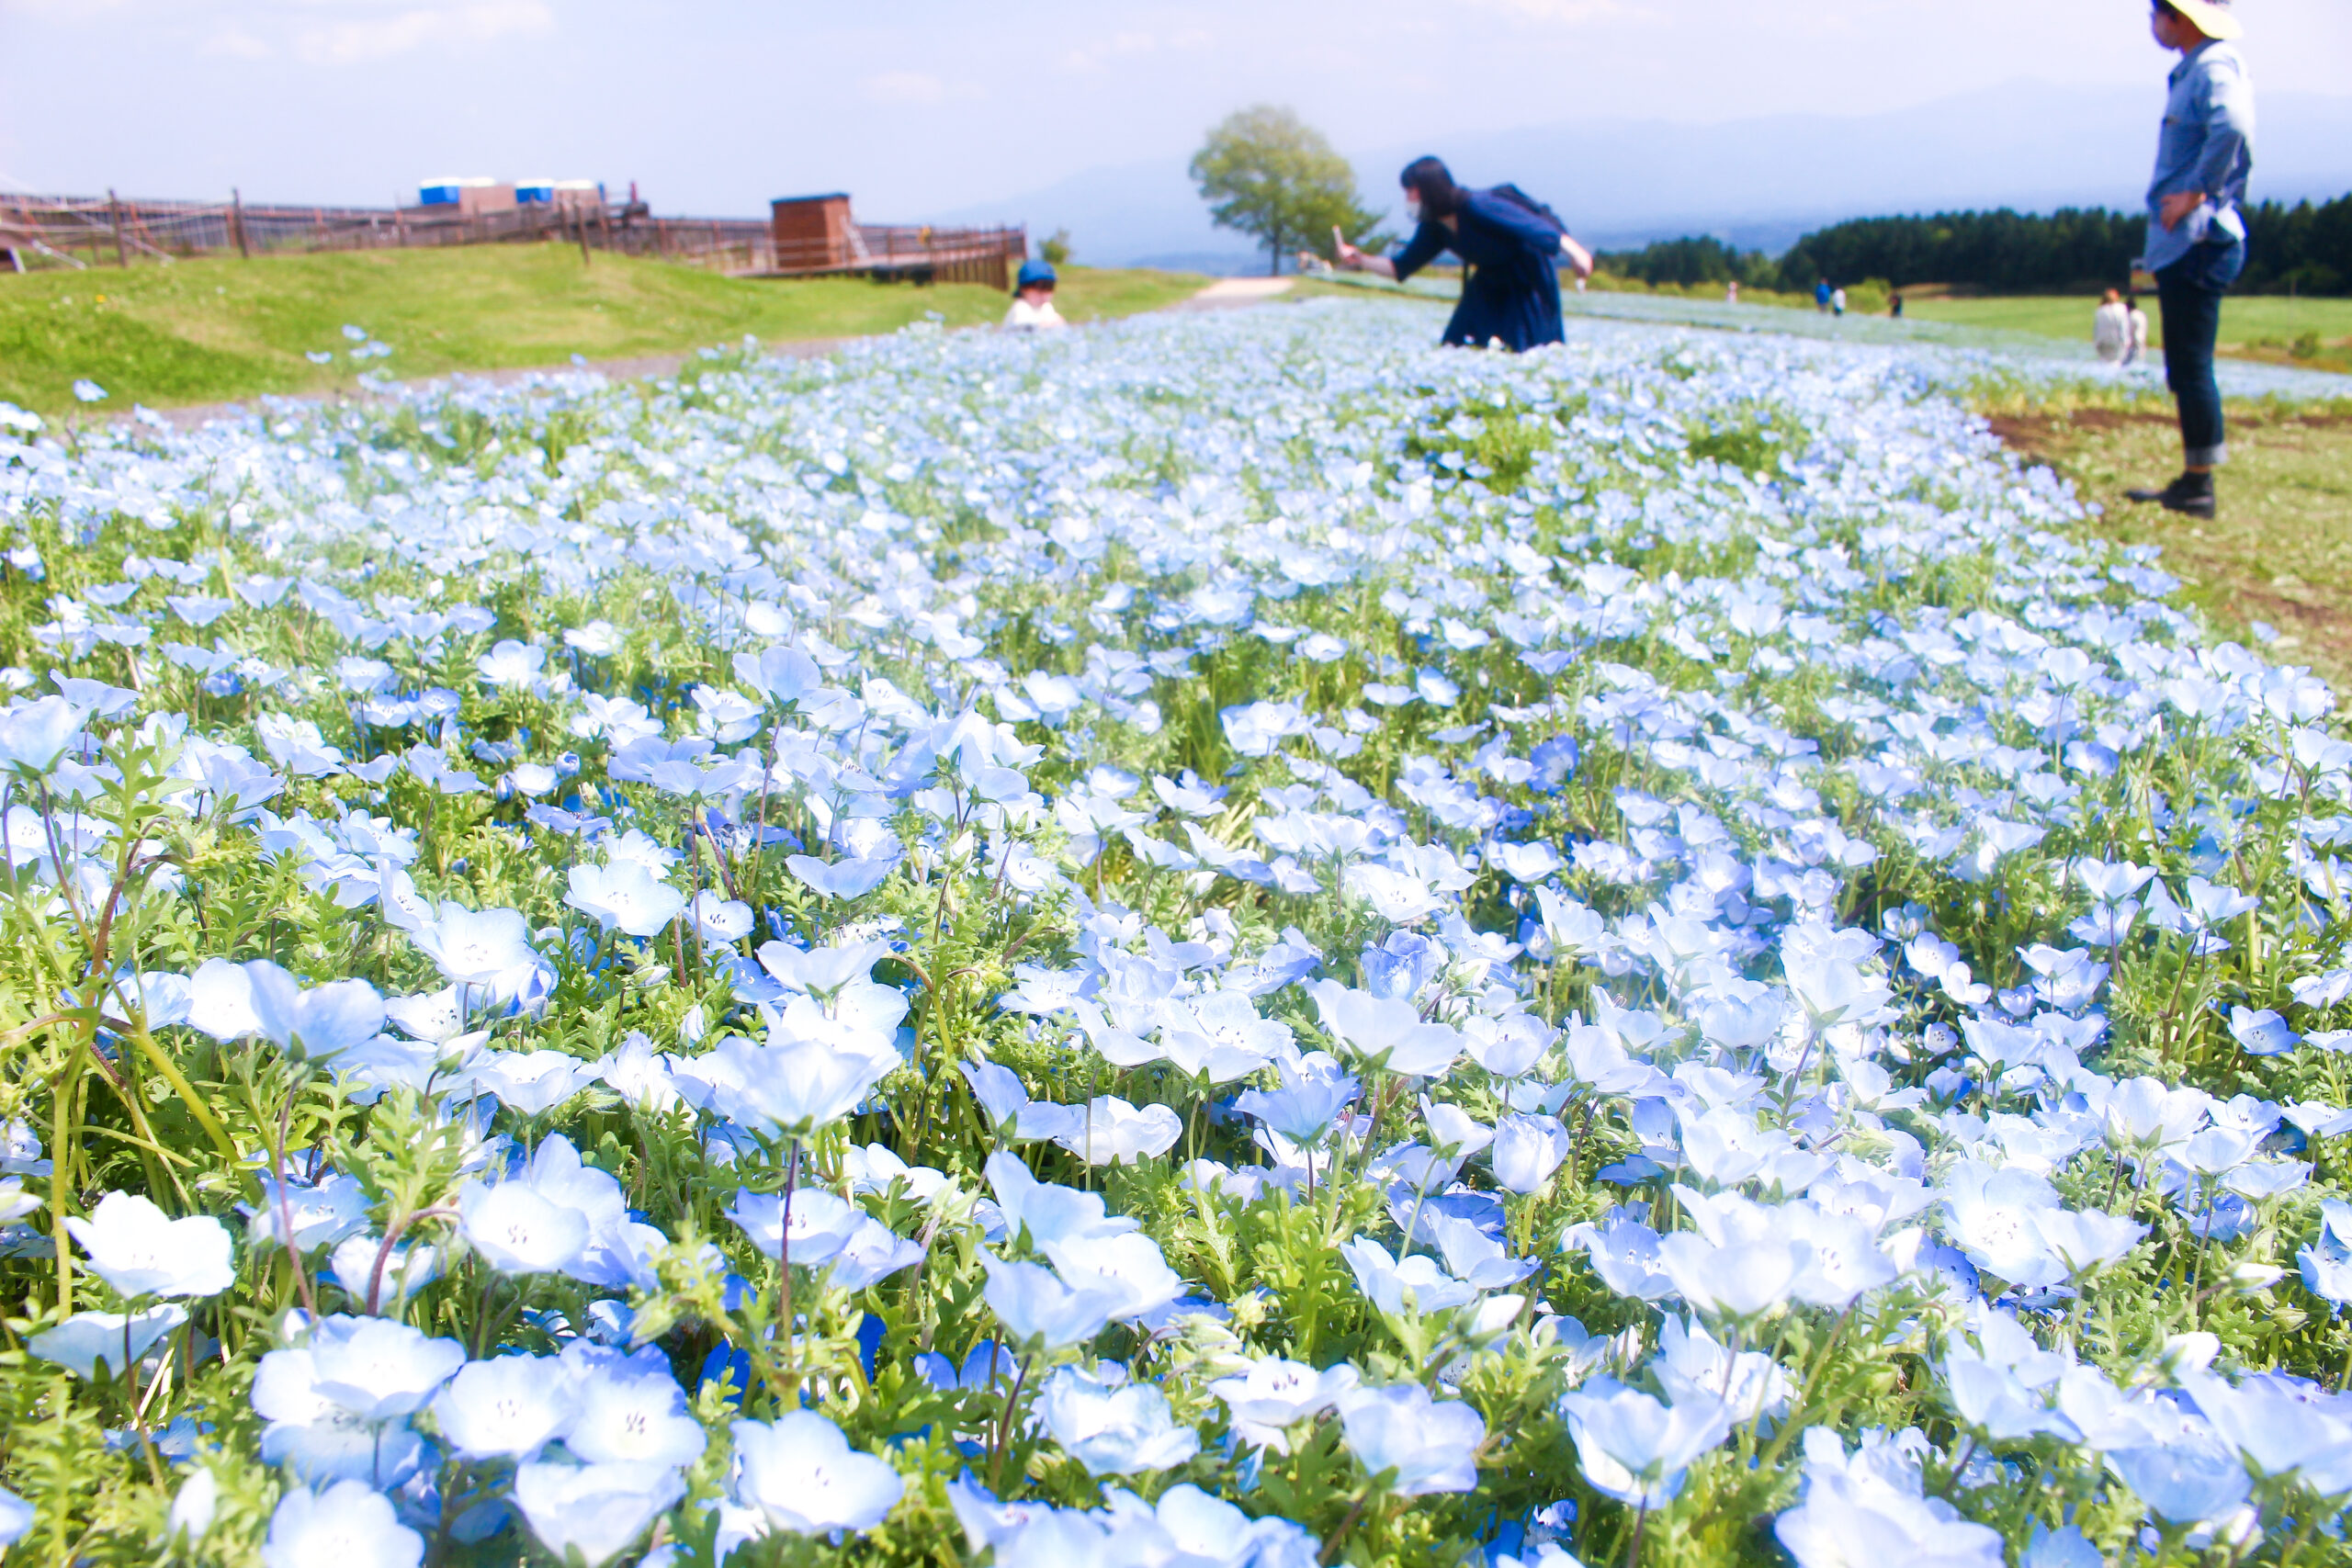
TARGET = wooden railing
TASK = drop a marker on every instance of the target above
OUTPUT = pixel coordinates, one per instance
(45, 232)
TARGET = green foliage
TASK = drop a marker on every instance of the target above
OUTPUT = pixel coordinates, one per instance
(1266, 172)
(2303, 249)
(209, 330)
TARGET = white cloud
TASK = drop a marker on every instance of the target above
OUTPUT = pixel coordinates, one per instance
(904, 87)
(1131, 45)
(377, 32)
(234, 43)
(914, 89)
(1570, 12)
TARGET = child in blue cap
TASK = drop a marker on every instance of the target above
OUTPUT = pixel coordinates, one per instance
(1032, 300)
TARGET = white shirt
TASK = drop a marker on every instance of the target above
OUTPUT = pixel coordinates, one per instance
(2111, 331)
(1026, 318)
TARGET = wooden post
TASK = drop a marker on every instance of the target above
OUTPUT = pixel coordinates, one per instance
(581, 216)
(114, 208)
(237, 222)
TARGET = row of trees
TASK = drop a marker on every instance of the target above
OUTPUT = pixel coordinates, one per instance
(2303, 249)
(1267, 173)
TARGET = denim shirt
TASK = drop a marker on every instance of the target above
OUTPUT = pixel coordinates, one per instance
(2207, 144)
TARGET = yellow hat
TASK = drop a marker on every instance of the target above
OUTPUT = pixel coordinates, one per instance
(2211, 18)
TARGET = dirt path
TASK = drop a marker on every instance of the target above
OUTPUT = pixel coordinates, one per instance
(2280, 552)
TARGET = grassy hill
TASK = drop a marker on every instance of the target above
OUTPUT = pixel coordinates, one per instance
(208, 331)
(2254, 326)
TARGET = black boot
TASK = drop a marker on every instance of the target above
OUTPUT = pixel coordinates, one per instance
(2191, 493)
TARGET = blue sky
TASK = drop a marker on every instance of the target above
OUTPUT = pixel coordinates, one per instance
(919, 107)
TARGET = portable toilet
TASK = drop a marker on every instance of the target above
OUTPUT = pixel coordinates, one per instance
(466, 194)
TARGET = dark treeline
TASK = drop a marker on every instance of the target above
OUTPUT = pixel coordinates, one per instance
(2303, 249)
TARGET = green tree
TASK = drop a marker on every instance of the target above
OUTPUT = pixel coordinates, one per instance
(1265, 172)
(1054, 249)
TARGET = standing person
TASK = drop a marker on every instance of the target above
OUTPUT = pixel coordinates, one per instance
(2111, 328)
(1821, 297)
(1510, 243)
(1032, 300)
(1730, 292)
(2196, 244)
(1836, 301)
(1894, 306)
(2135, 346)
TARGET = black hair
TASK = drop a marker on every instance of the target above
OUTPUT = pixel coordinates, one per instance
(1428, 178)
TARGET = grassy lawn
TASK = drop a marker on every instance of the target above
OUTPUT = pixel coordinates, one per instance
(2280, 552)
(208, 331)
(2254, 326)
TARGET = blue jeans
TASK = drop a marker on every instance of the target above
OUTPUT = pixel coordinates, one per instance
(2189, 291)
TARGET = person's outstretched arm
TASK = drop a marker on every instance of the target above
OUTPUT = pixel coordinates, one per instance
(1354, 260)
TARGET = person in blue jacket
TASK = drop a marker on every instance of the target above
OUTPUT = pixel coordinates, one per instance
(1510, 245)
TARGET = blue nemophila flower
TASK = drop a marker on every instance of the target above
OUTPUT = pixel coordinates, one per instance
(519, 1231)
(33, 735)
(194, 1506)
(2262, 1032)
(630, 1411)
(595, 1511)
(1386, 1030)
(475, 947)
(802, 1476)
(1527, 1150)
(1111, 1425)
(113, 1341)
(1424, 1445)
(1272, 1394)
(1635, 1449)
(1039, 1308)
(2284, 1426)
(791, 1087)
(140, 1251)
(509, 1408)
(1416, 1284)
(1305, 1105)
(2185, 1472)
(2326, 1261)
(626, 894)
(1865, 1510)
(347, 1525)
(812, 1233)
(320, 1023)
(849, 878)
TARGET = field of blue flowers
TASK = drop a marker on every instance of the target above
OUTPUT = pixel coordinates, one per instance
(1219, 942)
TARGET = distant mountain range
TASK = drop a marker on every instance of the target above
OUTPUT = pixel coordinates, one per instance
(1758, 183)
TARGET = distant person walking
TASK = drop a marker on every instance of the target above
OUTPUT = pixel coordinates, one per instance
(2111, 328)
(2136, 348)
(1730, 292)
(1894, 306)
(1510, 245)
(1032, 300)
(1821, 292)
(1836, 301)
(2196, 242)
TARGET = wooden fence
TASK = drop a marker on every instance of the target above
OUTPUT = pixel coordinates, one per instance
(39, 232)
